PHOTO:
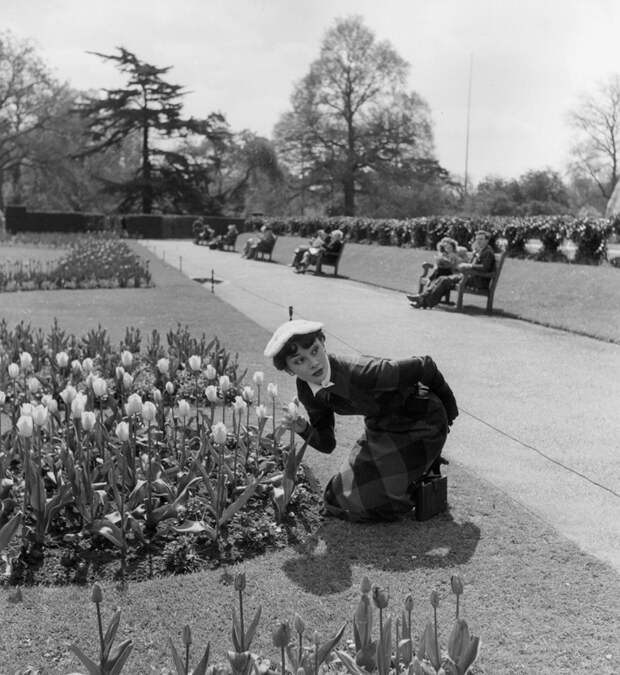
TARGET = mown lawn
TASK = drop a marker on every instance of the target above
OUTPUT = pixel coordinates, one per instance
(539, 604)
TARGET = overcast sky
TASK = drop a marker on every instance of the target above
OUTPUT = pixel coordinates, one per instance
(531, 59)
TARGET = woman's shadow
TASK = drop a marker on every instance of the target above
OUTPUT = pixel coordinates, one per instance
(324, 563)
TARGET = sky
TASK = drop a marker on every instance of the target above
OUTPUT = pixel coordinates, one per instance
(528, 61)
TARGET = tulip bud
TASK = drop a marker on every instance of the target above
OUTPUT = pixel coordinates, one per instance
(87, 365)
(299, 625)
(119, 371)
(169, 388)
(240, 581)
(68, 394)
(224, 383)
(127, 381)
(100, 387)
(379, 597)
(457, 584)
(34, 385)
(134, 405)
(26, 409)
(184, 408)
(25, 360)
(409, 603)
(258, 378)
(2, 397)
(156, 394)
(272, 390)
(434, 599)
(163, 365)
(187, 636)
(122, 431)
(62, 359)
(210, 372)
(261, 412)
(219, 433)
(126, 358)
(281, 635)
(88, 419)
(194, 362)
(40, 415)
(13, 371)
(316, 638)
(88, 380)
(96, 594)
(211, 393)
(149, 411)
(366, 586)
(25, 426)
(78, 405)
(76, 367)
(248, 394)
(239, 405)
(50, 403)
(293, 410)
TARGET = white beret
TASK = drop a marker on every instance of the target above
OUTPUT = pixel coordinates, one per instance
(288, 330)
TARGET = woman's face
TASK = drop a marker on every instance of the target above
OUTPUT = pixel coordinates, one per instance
(309, 364)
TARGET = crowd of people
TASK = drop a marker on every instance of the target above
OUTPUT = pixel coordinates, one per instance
(205, 235)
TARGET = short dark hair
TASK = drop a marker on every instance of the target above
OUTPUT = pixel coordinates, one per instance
(484, 233)
(292, 345)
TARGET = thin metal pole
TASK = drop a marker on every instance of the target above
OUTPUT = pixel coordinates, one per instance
(471, 69)
(180, 263)
(212, 281)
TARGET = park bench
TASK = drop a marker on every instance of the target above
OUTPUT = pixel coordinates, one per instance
(463, 286)
(489, 292)
(265, 249)
(330, 259)
(229, 241)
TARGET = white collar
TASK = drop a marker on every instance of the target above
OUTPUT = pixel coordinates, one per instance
(325, 382)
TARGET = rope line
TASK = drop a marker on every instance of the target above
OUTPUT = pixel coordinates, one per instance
(528, 446)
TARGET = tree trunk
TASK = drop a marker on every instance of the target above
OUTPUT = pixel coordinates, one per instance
(348, 188)
(147, 187)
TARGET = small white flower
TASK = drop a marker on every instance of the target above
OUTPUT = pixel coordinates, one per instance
(211, 393)
(194, 362)
(88, 419)
(258, 378)
(210, 372)
(50, 403)
(62, 359)
(163, 365)
(126, 358)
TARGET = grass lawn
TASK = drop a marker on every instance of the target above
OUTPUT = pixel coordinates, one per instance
(539, 604)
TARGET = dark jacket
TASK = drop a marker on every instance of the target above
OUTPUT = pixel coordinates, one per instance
(482, 261)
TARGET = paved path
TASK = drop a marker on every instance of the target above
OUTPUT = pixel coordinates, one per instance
(539, 407)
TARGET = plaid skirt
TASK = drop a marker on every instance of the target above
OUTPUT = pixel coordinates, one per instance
(377, 480)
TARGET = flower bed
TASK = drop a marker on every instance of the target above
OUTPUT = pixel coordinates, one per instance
(92, 262)
(129, 462)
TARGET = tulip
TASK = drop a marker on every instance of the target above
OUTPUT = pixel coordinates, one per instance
(366, 586)
(78, 405)
(261, 412)
(25, 426)
(210, 372)
(62, 359)
(156, 394)
(52, 405)
(163, 365)
(88, 419)
(187, 636)
(34, 385)
(149, 411)
(170, 388)
(68, 394)
(13, 371)
(76, 367)
(184, 408)
(87, 365)
(134, 405)
(194, 362)
(239, 405)
(240, 581)
(96, 595)
(379, 597)
(299, 624)
(126, 358)
(272, 390)
(281, 635)
(119, 371)
(2, 397)
(122, 431)
(434, 599)
(293, 410)
(40, 415)
(100, 388)
(457, 584)
(127, 381)
(224, 383)
(409, 603)
(25, 360)
(248, 394)
(89, 379)
(258, 378)
(26, 409)
(462, 647)
(219, 433)
(211, 393)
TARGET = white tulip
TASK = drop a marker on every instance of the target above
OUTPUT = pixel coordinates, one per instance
(239, 405)
(224, 383)
(169, 388)
(156, 394)
(184, 408)
(2, 397)
(76, 367)
(26, 409)
(134, 405)
(219, 433)
(127, 380)
(62, 359)
(25, 360)
(100, 387)
(50, 403)
(78, 405)
(261, 412)
(163, 365)
(149, 411)
(210, 372)
(34, 385)
(248, 394)
(25, 426)
(119, 371)
(68, 394)
(122, 431)
(13, 371)
(272, 390)
(258, 378)
(126, 358)
(194, 362)
(40, 415)
(211, 393)
(293, 410)
(88, 419)
(87, 365)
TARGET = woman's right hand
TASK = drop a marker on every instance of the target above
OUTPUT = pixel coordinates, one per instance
(294, 421)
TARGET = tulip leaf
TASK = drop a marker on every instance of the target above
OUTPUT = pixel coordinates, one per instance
(8, 530)
(109, 530)
(249, 634)
(350, 664)
(176, 659)
(201, 668)
(119, 657)
(239, 503)
(92, 667)
(110, 633)
(195, 527)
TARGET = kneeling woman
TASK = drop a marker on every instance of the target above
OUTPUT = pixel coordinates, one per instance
(407, 408)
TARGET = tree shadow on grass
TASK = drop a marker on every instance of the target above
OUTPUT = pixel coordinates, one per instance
(325, 561)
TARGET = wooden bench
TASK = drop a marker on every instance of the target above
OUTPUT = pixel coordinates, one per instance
(330, 259)
(264, 249)
(229, 242)
(489, 292)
